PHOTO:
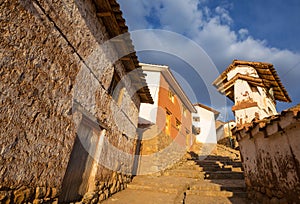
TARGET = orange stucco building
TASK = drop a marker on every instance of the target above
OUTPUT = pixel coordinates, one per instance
(171, 111)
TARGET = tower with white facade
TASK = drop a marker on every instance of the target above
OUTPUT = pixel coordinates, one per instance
(254, 88)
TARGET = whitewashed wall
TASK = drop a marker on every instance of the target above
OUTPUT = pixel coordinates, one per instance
(206, 124)
(148, 112)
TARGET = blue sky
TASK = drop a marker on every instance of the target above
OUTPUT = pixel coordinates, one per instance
(254, 30)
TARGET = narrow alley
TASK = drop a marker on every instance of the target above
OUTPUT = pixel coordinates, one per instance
(218, 178)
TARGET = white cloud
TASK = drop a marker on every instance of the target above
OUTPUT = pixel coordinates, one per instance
(211, 29)
(223, 15)
(243, 33)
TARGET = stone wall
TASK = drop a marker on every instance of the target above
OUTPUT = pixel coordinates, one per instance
(51, 56)
(159, 152)
(271, 157)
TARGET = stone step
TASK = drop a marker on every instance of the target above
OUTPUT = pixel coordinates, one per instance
(220, 163)
(224, 175)
(215, 168)
(196, 199)
(212, 193)
(224, 168)
(206, 162)
(196, 168)
(235, 169)
(167, 184)
(219, 184)
(185, 173)
(188, 163)
(161, 189)
(145, 197)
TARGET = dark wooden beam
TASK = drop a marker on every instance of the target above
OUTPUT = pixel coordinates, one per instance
(104, 14)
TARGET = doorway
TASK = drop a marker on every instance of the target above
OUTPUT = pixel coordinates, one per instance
(77, 177)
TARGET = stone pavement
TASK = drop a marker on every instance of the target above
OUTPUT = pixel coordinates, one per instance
(218, 178)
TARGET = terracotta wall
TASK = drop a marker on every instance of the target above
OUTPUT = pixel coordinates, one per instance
(176, 109)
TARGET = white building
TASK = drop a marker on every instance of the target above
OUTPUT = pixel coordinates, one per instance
(204, 126)
(254, 87)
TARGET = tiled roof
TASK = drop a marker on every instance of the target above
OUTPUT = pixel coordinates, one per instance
(208, 108)
(110, 14)
(277, 122)
(167, 73)
(268, 77)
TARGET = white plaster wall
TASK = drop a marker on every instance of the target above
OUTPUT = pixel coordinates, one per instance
(206, 124)
(243, 92)
(247, 115)
(148, 112)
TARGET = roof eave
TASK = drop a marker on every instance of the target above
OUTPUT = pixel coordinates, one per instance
(110, 14)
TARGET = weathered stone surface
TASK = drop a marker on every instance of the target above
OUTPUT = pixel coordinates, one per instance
(54, 193)
(23, 194)
(180, 187)
(37, 201)
(279, 194)
(37, 54)
(272, 163)
(40, 192)
(274, 200)
(102, 197)
(52, 53)
(88, 197)
(269, 193)
(283, 201)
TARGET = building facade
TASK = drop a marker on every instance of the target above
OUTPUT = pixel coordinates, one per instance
(254, 88)
(168, 120)
(171, 111)
(271, 157)
(204, 124)
(267, 140)
(68, 115)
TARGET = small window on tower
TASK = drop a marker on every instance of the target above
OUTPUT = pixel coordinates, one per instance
(254, 89)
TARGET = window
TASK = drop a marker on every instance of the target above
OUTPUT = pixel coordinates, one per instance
(196, 119)
(116, 89)
(196, 130)
(254, 89)
(184, 111)
(168, 122)
(171, 96)
(178, 124)
(113, 84)
(187, 131)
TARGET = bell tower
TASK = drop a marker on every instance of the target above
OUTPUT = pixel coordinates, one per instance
(254, 88)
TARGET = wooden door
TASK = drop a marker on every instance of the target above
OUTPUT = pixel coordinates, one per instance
(75, 182)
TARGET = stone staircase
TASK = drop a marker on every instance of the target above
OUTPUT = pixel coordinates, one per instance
(216, 179)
